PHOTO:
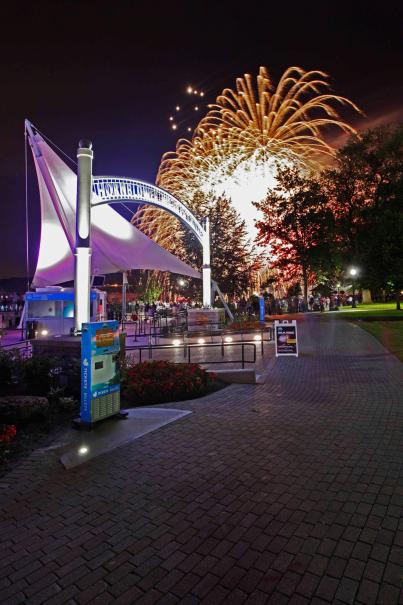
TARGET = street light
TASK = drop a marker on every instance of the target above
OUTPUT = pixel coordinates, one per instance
(353, 273)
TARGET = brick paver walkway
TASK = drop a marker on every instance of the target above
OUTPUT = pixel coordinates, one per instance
(287, 492)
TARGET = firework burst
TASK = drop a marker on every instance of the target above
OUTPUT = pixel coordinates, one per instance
(245, 134)
(184, 114)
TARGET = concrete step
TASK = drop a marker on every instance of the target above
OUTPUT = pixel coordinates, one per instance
(236, 376)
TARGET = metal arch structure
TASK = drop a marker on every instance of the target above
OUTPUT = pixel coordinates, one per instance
(109, 189)
(112, 189)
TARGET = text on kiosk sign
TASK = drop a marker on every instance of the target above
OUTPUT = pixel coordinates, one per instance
(104, 338)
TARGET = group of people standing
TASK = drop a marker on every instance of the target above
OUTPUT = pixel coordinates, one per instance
(329, 303)
(147, 310)
(295, 304)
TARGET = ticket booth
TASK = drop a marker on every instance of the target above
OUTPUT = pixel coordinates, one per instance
(50, 311)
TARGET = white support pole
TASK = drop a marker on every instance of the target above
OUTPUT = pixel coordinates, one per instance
(216, 288)
(124, 288)
(206, 270)
(82, 273)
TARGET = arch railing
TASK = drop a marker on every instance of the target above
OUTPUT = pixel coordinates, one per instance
(109, 189)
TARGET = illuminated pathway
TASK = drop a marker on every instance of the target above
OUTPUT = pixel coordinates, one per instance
(286, 492)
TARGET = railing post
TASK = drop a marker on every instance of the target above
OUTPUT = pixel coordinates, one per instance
(243, 356)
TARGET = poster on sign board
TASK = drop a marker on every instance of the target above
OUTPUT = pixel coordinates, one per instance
(286, 338)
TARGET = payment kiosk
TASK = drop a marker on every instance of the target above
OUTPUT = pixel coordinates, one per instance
(100, 371)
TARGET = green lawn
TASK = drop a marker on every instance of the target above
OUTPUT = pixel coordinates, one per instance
(389, 306)
(389, 333)
(372, 310)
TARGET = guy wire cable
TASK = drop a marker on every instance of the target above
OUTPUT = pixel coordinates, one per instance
(26, 209)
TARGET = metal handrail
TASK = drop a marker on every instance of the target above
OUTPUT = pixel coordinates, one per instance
(154, 326)
(187, 349)
(22, 346)
(219, 334)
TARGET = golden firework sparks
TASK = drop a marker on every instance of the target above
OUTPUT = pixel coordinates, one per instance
(248, 130)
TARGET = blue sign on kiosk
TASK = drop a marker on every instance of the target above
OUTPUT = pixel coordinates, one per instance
(261, 309)
(100, 371)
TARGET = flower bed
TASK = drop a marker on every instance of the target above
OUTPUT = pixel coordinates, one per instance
(38, 396)
(153, 382)
(34, 421)
(246, 325)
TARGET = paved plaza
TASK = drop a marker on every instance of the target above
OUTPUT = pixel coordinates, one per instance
(289, 491)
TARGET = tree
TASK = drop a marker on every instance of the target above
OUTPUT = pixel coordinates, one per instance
(296, 225)
(232, 261)
(382, 244)
(382, 252)
(365, 190)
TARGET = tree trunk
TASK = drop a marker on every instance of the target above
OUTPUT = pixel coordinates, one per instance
(397, 297)
(305, 285)
(366, 297)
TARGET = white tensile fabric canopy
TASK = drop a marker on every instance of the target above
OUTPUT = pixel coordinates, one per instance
(116, 244)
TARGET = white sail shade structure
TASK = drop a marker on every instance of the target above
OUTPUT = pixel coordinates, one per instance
(116, 244)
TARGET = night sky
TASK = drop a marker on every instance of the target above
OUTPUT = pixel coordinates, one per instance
(113, 72)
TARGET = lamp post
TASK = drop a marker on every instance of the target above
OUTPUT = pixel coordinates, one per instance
(353, 273)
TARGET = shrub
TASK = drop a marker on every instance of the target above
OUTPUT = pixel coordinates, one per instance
(162, 381)
(69, 376)
(21, 409)
(68, 404)
(38, 374)
(249, 324)
(41, 375)
(7, 434)
(7, 370)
